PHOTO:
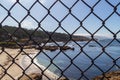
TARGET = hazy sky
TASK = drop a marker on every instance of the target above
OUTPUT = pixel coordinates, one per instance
(70, 24)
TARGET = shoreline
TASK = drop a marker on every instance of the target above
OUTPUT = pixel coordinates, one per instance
(25, 61)
(47, 72)
(21, 59)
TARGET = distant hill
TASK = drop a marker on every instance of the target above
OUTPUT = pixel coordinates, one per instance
(96, 36)
(111, 42)
(22, 34)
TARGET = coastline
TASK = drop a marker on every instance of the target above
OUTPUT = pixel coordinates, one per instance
(47, 72)
(23, 61)
(113, 75)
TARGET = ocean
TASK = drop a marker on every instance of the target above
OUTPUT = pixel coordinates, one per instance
(89, 58)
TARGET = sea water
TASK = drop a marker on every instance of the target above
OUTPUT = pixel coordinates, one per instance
(87, 57)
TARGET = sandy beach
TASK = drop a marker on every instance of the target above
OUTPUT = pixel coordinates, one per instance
(10, 64)
(17, 61)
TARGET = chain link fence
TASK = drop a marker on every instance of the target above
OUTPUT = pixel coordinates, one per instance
(83, 61)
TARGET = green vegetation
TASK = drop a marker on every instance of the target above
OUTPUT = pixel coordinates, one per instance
(10, 35)
(8, 44)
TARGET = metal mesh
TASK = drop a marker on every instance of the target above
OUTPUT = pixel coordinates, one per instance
(69, 11)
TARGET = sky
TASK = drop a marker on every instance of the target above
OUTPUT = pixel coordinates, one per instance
(70, 24)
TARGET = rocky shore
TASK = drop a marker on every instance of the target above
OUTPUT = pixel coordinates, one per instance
(33, 76)
(114, 75)
(54, 48)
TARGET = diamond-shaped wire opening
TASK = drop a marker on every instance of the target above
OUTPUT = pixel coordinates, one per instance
(4, 35)
(61, 34)
(40, 36)
(103, 10)
(33, 68)
(4, 59)
(117, 62)
(48, 53)
(49, 24)
(24, 34)
(25, 76)
(29, 59)
(7, 3)
(93, 24)
(94, 70)
(7, 76)
(44, 63)
(70, 24)
(14, 67)
(40, 10)
(2, 69)
(14, 53)
(42, 58)
(17, 58)
(27, 4)
(83, 41)
(92, 49)
(8, 30)
(80, 10)
(118, 9)
(73, 48)
(3, 13)
(114, 43)
(107, 37)
(62, 61)
(9, 22)
(82, 32)
(118, 35)
(29, 23)
(91, 2)
(18, 16)
(53, 70)
(104, 62)
(113, 23)
(45, 3)
(113, 48)
(69, 3)
(82, 61)
(58, 8)
(105, 42)
(114, 3)
(69, 72)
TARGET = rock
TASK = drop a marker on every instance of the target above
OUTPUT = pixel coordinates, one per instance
(66, 48)
(63, 78)
(115, 75)
(54, 48)
(92, 46)
(33, 76)
(51, 48)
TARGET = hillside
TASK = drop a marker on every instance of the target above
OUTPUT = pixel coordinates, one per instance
(8, 33)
